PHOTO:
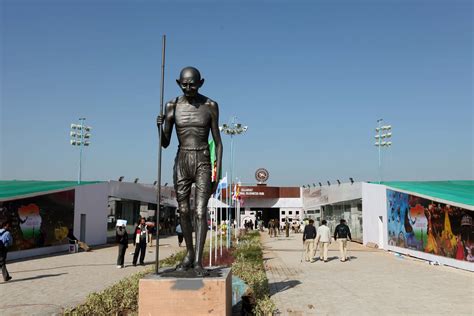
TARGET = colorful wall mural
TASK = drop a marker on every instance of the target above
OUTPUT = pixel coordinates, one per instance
(420, 224)
(39, 221)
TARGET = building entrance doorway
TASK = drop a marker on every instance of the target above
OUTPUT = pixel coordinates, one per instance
(224, 213)
(266, 214)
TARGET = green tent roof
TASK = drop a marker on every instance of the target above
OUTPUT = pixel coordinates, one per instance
(454, 191)
(19, 188)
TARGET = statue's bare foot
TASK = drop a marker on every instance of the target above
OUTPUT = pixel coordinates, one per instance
(186, 264)
(200, 271)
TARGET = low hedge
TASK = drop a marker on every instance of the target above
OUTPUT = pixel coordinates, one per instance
(248, 266)
(120, 298)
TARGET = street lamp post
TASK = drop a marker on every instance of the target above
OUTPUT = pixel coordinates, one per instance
(80, 136)
(383, 134)
(232, 129)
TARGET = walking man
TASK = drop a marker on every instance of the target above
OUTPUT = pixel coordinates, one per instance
(323, 237)
(6, 240)
(341, 234)
(309, 235)
(139, 241)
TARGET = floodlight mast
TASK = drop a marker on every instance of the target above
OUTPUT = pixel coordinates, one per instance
(80, 136)
(232, 129)
(382, 135)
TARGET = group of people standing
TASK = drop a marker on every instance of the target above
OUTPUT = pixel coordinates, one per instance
(312, 238)
(140, 239)
(142, 236)
(274, 227)
(248, 225)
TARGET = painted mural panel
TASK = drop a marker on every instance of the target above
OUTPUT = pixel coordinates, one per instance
(420, 224)
(39, 221)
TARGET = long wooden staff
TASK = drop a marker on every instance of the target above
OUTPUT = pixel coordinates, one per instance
(160, 133)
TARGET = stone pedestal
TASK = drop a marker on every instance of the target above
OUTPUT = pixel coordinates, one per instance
(170, 295)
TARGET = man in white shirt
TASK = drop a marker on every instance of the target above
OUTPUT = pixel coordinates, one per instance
(323, 237)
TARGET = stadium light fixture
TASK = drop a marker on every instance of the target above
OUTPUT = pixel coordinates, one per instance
(382, 140)
(232, 129)
(79, 133)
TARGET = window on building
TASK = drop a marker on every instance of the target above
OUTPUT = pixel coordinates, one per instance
(290, 212)
(297, 212)
(282, 212)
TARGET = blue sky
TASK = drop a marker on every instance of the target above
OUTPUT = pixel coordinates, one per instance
(310, 79)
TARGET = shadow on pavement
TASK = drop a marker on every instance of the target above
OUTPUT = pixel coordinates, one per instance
(36, 277)
(278, 287)
(336, 258)
(68, 266)
(285, 250)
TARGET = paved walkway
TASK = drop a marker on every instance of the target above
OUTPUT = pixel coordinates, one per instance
(48, 285)
(373, 282)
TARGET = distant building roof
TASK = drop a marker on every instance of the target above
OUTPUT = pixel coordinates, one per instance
(455, 191)
(10, 189)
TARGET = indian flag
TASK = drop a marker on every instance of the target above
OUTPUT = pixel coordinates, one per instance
(212, 151)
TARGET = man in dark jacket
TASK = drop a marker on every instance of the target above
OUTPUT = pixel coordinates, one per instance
(139, 241)
(309, 235)
(121, 237)
(342, 233)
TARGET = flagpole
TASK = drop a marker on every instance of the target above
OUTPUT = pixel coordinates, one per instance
(227, 196)
(231, 187)
(237, 210)
(237, 218)
(227, 210)
(160, 133)
(220, 226)
(215, 247)
(210, 241)
(229, 224)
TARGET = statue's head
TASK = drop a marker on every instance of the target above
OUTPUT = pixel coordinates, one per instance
(190, 81)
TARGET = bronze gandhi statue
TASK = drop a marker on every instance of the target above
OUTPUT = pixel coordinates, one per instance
(195, 116)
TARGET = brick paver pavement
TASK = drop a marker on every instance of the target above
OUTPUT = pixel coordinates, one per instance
(48, 285)
(373, 282)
